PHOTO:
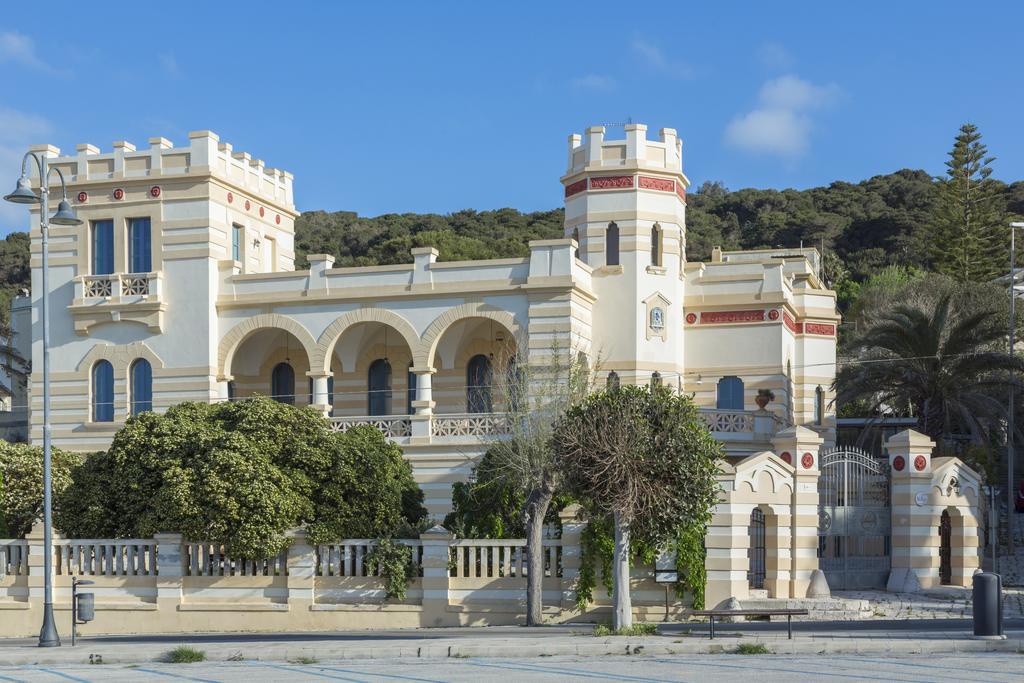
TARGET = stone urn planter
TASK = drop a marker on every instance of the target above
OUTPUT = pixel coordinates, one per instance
(764, 397)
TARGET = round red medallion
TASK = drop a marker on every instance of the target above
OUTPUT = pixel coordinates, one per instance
(261, 212)
(898, 463)
(920, 462)
(247, 205)
(691, 318)
(787, 457)
(231, 197)
(154, 191)
(278, 219)
(119, 194)
(83, 197)
(807, 460)
(773, 314)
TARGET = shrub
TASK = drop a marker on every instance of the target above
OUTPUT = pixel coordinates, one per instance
(21, 497)
(602, 630)
(183, 654)
(752, 649)
(395, 562)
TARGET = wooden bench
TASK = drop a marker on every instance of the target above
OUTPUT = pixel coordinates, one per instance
(788, 613)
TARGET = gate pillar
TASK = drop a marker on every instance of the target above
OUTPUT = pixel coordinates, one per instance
(800, 447)
(915, 541)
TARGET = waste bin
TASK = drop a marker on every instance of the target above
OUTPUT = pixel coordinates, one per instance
(86, 607)
(988, 605)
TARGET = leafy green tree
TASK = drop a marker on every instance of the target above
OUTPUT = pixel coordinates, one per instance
(240, 474)
(937, 350)
(641, 455)
(968, 233)
(3, 519)
(21, 468)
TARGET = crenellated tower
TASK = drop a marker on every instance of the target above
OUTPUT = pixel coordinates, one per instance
(625, 205)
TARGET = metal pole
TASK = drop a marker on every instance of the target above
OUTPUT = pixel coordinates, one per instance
(48, 633)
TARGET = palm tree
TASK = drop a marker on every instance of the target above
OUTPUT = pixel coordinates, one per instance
(942, 358)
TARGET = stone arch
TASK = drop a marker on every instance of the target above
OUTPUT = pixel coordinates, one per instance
(120, 356)
(267, 321)
(425, 355)
(320, 360)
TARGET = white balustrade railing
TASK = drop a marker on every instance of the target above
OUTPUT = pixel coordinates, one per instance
(117, 285)
(470, 424)
(728, 421)
(393, 426)
(107, 557)
(13, 557)
(209, 559)
(348, 557)
(494, 558)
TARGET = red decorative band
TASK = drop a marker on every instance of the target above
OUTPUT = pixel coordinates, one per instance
(576, 188)
(663, 184)
(712, 317)
(794, 326)
(898, 463)
(818, 328)
(611, 182)
(807, 460)
(920, 462)
(681, 191)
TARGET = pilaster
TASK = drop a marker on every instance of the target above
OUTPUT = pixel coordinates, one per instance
(801, 447)
(915, 539)
(572, 533)
(436, 553)
(170, 568)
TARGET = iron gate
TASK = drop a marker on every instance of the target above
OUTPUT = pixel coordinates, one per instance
(854, 519)
(756, 554)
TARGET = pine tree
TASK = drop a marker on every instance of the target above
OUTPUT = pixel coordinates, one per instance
(968, 235)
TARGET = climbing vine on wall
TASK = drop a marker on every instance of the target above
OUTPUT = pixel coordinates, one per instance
(395, 565)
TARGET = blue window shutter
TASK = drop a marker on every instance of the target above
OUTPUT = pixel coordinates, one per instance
(730, 393)
(142, 386)
(141, 245)
(102, 247)
(103, 392)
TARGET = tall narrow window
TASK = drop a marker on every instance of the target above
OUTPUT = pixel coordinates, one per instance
(611, 245)
(613, 380)
(140, 248)
(102, 247)
(237, 234)
(656, 245)
(378, 387)
(410, 390)
(730, 393)
(269, 254)
(282, 384)
(103, 392)
(478, 384)
(576, 237)
(819, 405)
(141, 376)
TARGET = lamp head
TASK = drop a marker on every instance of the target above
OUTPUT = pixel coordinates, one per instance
(23, 193)
(65, 215)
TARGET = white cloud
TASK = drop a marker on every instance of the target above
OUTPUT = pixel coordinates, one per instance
(775, 56)
(169, 65)
(18, 130)
(659, 61)
(20, 49)
(781, 123)
(593, 82)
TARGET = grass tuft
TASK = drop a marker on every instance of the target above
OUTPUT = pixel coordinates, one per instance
(752, 649)
(183, 654)
(602, 630)
(304, 660)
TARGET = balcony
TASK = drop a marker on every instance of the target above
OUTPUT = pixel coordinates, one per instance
(132, 297)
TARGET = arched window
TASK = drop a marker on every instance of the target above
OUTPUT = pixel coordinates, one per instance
(730, 393)
(410, 390)
(656, 250)
(378, 387)
(103, 392)
(576, 237)
(478, 384)
(819, 405)
(141, 376)
(282, 384)
(656, 379)
(613, 380)
(611, 245)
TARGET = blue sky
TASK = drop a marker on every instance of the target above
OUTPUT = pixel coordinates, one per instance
(434, 107)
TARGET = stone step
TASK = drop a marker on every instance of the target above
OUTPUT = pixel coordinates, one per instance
(758, 593)
(818, 608)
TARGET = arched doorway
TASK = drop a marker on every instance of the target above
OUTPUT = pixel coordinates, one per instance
(756, 550)
(945, 549)
(267, 363)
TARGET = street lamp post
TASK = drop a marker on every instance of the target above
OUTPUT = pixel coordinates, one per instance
(23, 194)
(1011, 491)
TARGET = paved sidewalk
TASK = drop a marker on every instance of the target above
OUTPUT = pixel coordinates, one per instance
(942, 602)
(513, 642)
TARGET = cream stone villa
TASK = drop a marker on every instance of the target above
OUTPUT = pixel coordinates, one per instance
(180, 285)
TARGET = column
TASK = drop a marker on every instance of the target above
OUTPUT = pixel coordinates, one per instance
(223, 394)
(436, 551)
(321, 394)
(170, 567)
(301, 572)
(799, 447)
(915, 513)
(726, 543)
(423, 406)
(572, 531)
(36, 574)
